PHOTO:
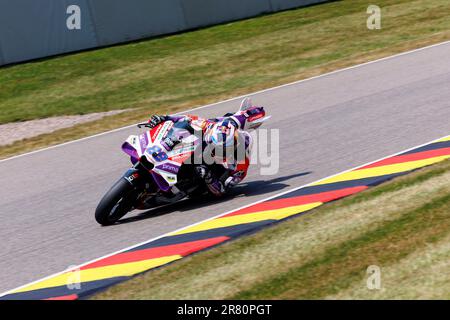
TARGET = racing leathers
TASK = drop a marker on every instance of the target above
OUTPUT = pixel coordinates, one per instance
(235, 167)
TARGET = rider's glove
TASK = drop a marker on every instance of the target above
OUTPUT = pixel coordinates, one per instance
(155, 120)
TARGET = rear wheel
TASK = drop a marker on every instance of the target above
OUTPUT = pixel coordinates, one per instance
(117, 202)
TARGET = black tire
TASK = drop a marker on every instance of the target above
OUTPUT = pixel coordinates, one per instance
(116, 203)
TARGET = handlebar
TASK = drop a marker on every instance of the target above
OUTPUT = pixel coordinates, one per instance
(143, 124)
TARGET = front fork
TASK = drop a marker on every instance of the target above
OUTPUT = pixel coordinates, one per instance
(139, 175)
(140, 178)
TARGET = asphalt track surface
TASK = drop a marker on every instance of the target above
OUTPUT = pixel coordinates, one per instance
(327, 124)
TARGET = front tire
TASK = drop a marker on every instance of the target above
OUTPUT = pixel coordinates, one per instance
(116, 203)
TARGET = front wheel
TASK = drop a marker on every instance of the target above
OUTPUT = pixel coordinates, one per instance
(116, 203)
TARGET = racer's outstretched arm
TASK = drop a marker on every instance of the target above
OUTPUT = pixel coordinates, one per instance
(157, 119)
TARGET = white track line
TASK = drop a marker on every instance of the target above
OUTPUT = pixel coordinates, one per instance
(218, 216)
(238, 97)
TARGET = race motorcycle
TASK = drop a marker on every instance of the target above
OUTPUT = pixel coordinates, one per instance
(162, 171)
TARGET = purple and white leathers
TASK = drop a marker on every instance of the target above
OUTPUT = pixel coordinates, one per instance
(182, 156)
(225, 142)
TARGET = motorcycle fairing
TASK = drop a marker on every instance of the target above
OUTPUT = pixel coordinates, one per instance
(166, 162)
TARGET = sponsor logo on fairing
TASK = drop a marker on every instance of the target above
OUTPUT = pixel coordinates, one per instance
(168, 167)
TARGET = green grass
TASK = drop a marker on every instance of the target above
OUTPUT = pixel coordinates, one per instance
(190, 69)
(402, 226)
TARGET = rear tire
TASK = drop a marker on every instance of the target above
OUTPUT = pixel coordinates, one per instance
(116, 203)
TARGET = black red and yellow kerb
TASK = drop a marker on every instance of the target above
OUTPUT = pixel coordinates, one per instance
(174, 246)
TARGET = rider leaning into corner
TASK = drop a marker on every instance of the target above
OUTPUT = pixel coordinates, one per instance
(225, 133)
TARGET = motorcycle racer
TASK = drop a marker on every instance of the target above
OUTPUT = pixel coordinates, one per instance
(162, 170)
(222, 138)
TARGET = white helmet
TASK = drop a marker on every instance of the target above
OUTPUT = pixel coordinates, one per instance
(222, 136)
(222, 133)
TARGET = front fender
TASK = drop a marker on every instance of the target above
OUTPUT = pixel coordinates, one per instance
(131, 147)
(133, 176)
